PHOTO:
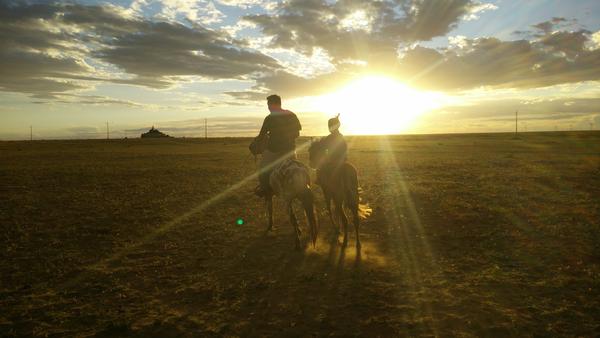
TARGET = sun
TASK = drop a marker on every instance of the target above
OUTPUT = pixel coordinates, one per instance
(378, 105)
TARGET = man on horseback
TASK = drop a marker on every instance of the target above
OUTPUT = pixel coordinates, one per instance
(280, 128)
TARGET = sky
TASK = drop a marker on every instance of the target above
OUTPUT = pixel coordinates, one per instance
(387, 67)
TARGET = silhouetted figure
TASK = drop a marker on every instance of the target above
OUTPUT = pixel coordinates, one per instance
(338, 179)
(336, 150)
(280, 128)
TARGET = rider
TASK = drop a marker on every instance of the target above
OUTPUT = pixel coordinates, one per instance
(335, 145)
(282, 128)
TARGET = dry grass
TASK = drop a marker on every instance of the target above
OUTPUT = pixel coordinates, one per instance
(471, 235)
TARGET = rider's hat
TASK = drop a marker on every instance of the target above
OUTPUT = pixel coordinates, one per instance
(334, 123)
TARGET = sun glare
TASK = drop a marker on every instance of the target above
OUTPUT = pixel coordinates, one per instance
(377, 105)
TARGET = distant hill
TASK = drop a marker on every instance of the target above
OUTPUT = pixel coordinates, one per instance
(154, 133)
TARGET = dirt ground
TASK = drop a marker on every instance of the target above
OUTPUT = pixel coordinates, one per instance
(471, 235)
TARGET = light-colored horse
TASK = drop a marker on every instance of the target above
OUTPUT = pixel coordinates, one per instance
(290, 180)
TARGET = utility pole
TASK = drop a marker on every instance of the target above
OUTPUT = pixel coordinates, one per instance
(516, 122)
(107, 133)
(205, 129)
(30, 133)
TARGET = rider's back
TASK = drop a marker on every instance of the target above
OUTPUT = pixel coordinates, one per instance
(283, 130)
(337, 150)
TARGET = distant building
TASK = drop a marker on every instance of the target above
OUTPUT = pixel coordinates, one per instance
(154, 133)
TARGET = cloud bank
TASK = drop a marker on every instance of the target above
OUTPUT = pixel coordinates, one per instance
(52, 49)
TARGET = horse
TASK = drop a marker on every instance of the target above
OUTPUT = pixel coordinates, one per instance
(341, 187)
(290, 180)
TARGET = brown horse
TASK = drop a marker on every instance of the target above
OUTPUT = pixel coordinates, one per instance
(290, 180)
(342, 187)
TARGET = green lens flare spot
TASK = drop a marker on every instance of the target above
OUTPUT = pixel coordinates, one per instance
(240, 221)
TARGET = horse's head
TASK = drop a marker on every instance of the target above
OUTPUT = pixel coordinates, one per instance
(316, 153)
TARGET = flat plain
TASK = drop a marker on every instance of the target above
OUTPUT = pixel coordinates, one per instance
(471, 235)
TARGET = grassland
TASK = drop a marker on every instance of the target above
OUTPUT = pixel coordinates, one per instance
(471, 235)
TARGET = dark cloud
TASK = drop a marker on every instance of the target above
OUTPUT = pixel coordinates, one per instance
(546, 27)
(166, 49)
(47, 49)
(26, 63)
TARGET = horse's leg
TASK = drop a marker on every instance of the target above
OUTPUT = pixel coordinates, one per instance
(269, 201)
(356, 224)
(308, 201)
(352, 201)
(340, 210)
(294, 222)
(328, 205)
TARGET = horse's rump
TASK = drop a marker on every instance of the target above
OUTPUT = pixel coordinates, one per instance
(343, 182)
(290, 178)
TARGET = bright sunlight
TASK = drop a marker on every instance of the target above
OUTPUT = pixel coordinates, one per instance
(376, 105)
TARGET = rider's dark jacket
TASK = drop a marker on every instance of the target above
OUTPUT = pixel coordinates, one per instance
(337, 151)
(282, 127)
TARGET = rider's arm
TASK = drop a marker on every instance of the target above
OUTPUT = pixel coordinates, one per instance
(297, 125)
(266, 127)
(344, 152)
(326, 142)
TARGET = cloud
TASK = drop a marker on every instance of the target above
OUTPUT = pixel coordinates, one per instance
(550, 58)
(504, 109)
(95, 100)
(499, 115)
(595, 41)
(35, 57)
(555, 57)
(247, 3)
(289, 85)
(165, 49)
(198, 11)
(476, 10)
(49, 49)
(357, 29)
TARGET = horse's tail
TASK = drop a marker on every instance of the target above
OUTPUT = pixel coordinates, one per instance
(308, 201)
(352, 192)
